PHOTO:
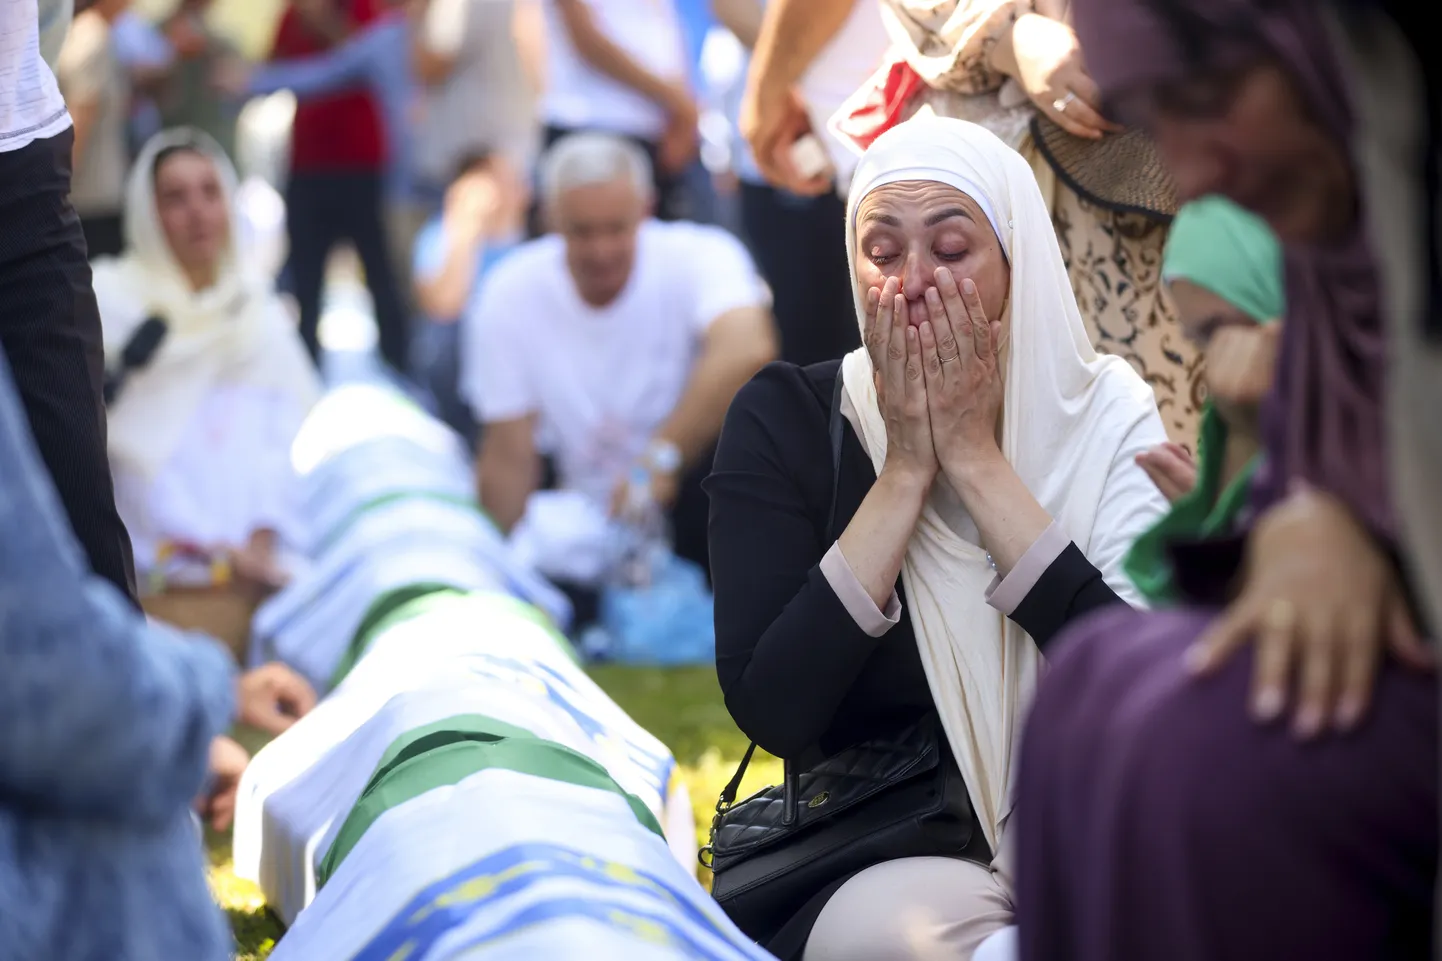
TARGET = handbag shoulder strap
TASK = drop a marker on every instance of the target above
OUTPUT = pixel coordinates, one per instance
(836, 427)
(728, 793)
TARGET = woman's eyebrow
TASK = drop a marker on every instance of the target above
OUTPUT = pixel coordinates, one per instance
(881, 218)
(947, 214)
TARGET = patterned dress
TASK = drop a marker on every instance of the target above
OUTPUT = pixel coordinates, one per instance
(1114, 259)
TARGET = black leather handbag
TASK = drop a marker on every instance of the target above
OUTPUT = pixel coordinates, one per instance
(775, 853)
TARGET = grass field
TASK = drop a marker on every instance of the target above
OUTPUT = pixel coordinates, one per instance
(682, 707)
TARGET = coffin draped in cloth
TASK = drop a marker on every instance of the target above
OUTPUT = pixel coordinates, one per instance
(436, 657)
(463, 790)
(510, 865)
(390, 515)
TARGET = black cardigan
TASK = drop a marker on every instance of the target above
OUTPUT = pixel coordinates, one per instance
(796, 670)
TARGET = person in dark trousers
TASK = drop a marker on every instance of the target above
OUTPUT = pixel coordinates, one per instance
(337, 179)
(97, 88)
(49, 323)
(798, 240)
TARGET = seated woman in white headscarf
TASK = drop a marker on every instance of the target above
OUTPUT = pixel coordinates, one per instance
(207, 379)
(897, 536)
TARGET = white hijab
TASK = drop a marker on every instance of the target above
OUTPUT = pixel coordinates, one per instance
(237, 331)
(1067, 412)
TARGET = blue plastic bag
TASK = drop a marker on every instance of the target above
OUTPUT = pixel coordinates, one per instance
(668, 621)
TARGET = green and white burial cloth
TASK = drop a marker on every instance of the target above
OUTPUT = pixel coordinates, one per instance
(510, 865)
(387, 514)
(360, 413)
(465, 791)
(446, 659)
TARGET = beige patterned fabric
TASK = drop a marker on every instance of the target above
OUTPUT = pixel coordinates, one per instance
(948, 42)
(1115, 264)
(1114, 260)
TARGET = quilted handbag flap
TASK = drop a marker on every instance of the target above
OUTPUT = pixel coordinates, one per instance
(836, 784)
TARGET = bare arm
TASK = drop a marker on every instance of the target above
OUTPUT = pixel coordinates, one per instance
(82, 116)
(773, 117)
(792, 33)
(738, 344)
(432, 66)
(964, 396)
(742, 17)
(83, 71)
(508, 469)
(1040, 52)
(1006, 513)
(443, 295)
(528, 27)
(874, 543)
(600, 52)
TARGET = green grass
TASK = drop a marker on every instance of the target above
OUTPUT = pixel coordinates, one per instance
(682, 707)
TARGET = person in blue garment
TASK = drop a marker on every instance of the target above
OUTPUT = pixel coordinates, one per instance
(400, 58)
(148, 57)
(378, 57)
(106, 730)
(481, 221)
(381, 57)
(697, 20)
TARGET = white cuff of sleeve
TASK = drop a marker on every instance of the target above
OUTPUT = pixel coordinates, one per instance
(1006, 593)
(863, 610)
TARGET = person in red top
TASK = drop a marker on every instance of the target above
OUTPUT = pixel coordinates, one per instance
(336, 186)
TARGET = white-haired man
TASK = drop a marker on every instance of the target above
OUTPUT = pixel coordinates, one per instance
(621, 339)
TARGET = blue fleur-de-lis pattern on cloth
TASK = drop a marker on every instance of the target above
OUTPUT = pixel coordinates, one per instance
(105, 731)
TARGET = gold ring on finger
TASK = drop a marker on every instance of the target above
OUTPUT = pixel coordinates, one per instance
(1061, 103)
(1281, 615)
(952, 359)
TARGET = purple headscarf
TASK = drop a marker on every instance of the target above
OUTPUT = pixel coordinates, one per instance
(1324, 421)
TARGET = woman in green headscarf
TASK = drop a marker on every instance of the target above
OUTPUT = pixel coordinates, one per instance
(1224, 268)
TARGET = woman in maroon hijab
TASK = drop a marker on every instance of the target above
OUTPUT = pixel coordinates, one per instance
(1254, 776)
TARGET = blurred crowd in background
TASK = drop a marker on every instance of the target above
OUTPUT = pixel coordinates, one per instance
(1139, 357)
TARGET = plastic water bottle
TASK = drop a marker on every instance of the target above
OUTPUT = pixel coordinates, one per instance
(646, 542)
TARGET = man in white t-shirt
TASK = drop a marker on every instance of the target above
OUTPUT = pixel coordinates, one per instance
(620, 339)
(620, 67)
(49, 324)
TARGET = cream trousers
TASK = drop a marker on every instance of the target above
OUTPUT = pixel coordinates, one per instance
(914, 909)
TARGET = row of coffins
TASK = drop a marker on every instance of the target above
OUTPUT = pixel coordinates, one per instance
(463, 790)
